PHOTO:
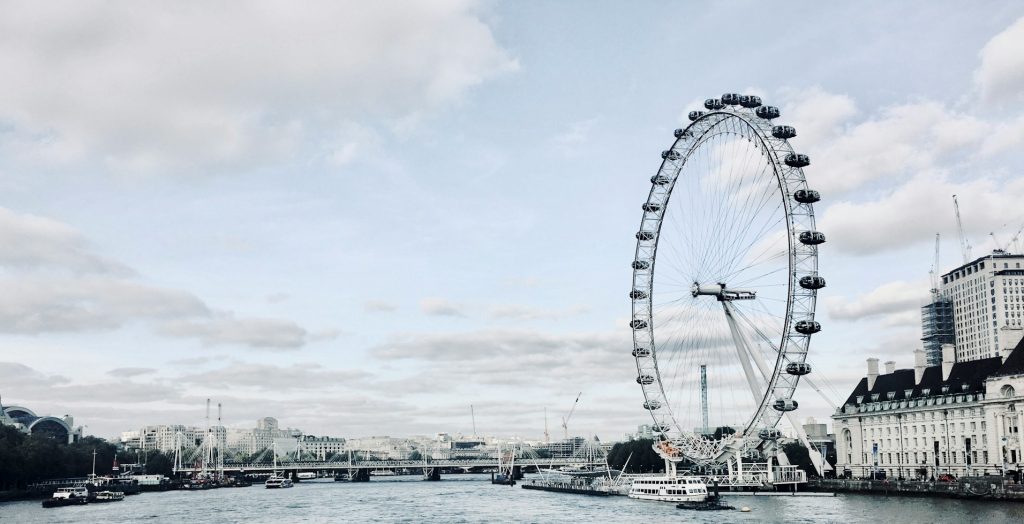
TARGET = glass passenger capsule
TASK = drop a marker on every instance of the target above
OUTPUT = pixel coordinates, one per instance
(807, 327)
(713, 104)
(651, 207)
(806, 196)
(785, 405)
(798, 368)
(797, 160)
(640, 264)
(784, 132)
(731, 99)
(767, 112)
(645, 380)
(694, 115)
(637, 294)
(671, 154)
(641, 352)
(638, 323)
(812, 282)
(652, 405)
(770, 434)
(750, 102)
(812, 238)
(644, 235)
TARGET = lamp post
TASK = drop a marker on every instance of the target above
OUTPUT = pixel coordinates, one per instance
(949, 452)
(899, 459)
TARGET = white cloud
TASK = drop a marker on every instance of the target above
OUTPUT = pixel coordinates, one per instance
(33, 304)
(520, 312)
(913, 212)
(53, 283)
(206, 87)
(258, 333)
(34, 242)
(1000, 77)
(893, 298)
(440, 307)
(571, 141)
(379, 306)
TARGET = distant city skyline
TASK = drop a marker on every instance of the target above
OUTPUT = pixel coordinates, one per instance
(361, 219)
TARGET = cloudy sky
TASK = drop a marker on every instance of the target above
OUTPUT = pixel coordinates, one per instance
(363, 218)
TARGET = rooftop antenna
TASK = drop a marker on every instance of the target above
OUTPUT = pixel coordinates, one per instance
(965, 247)
(472, 415)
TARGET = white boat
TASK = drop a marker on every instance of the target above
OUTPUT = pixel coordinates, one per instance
(108, 496)
(276, 481)
(669, 489)
(306, 475)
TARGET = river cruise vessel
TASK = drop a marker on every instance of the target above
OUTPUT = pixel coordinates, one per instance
(669, 489)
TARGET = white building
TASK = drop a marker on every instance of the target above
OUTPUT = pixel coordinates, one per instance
(168, 437)
(988, 305)
(263, 436)
(960, 418)
(322, 448)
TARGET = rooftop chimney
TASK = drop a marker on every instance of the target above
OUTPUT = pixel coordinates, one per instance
(872, 372)
(920, 362)
(947, 360)
(890, 367)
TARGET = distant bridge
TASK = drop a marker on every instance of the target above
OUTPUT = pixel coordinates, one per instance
(467, 464)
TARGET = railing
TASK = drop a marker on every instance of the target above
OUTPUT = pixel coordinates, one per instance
(397, 464)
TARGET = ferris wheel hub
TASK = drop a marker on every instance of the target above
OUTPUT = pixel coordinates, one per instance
(721, 292)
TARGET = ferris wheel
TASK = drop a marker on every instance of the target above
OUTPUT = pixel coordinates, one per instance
(725, 280)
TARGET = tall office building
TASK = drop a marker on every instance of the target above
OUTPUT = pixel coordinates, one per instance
(987, 298)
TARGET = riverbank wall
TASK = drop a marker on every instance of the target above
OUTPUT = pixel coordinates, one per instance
(985, 488)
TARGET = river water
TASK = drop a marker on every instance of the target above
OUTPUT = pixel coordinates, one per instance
(472, 498)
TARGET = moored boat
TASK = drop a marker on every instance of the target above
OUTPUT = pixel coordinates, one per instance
(67, 497)
(108, 496)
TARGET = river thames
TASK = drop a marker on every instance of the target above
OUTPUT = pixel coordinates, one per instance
(471, 498)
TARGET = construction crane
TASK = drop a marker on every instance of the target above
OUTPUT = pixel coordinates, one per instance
(933, 275)
(565, 419)
(1014, 240)
(547, 437)
(965, 247)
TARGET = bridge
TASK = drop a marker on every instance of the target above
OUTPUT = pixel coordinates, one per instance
(367, 465)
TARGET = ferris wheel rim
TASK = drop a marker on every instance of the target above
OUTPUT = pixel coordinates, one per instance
(801, 263)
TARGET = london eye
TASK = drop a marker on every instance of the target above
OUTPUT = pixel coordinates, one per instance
(725, 279)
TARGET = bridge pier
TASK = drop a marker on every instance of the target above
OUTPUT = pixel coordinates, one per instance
(432, 474)
(359, 475)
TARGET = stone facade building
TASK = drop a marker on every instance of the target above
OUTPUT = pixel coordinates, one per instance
(958, 418)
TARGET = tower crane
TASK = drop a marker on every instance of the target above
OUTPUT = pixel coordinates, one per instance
(1014, 240)
(934, 273)
(565, 419)
(965, 247)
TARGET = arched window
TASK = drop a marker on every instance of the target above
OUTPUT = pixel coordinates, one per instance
(1007, 391)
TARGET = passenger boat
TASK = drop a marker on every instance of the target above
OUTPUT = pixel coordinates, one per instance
(276, 481)
(669, 488)
(108, 496)
(67, 497)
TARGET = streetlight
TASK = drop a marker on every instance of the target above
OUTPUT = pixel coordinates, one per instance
(899, 459)
(949, 452)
